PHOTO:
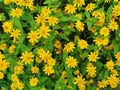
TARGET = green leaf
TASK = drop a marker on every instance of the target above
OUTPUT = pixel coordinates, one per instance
(89, 25)
(43, 79)
(63, 36)
(109, 11)
(64, 18)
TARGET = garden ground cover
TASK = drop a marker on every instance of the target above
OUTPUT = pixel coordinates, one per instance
(59, 44)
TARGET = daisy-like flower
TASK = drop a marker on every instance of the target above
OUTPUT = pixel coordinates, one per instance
(52, 21)
(27, 57)
(48, 70)
(82, 44)
(46, 11)
(113, 25)
(79, 26)
(17, 12)
(110, 65)
(93, 56)
(33, 37)
(40, 19)
(33, 81)
(70, 9)
(15, 33)
(44, 31)
(90, 7)
(7, 26)
(104, 31)
(79, 3)
(71, 62)
(69, 47)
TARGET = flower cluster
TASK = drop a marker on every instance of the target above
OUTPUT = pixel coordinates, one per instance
(59, 44)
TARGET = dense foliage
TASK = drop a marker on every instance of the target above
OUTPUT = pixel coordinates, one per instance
(59, 44)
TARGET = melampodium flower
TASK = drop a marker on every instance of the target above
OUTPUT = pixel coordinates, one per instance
(103, 83)
(7, 26)
(79, 2)
(12, 48)
(48, 70)
(17, 12)
(40, 19)
(80, 82)
(82, 44)
(52, 21)
(71, 62)
(91, 69)
(90, 7)
(79, 26)
(1, 75)
(69, 47)
(27, 57)
(46, 11)
(33, 37)
(113, 25)
(34, 69)
(70, 9)
(110, 65)
(33, 81)
(93, 56)
(116, 10)
(104, 31)
(113, 81)
(44, 31)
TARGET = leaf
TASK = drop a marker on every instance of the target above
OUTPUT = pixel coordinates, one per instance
(109, 11)
(43, 79)
(89, 25)
(64, 18)
(63, 36)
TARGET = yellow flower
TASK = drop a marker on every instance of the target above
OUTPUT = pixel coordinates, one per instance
(40, 19)
(114, 72)
(13, 86)
(20, 85)
(46, 11)
(1, 75)
(79, 2)
(48, 70)
(69, 47)
(17, 12)
(33, 37)
(82, 44)
(76, 72)
(104, 31)
(116, 10)
(3, 65)
(44, 31)
(2, 56)
(113, 25)
(117, 55)
(7, 2)
(51, 62)
(18, 70)
(38, 60)
(29, 4)
(71, 62)
(110, 65)
(90, 7)
(7, 26)
(34, 69)
(52, 21)
(45, 56)
(14, 78)
(93, 56)
(15, 33)
(12, 48)
(91, 69)
(33, 81)
(80, 82)
(103, 83)
(79, 26)
(63, 74)
(57, 44)
(27, 57)
(95, 14)
(105, 41)
(20, 3)
(113, 81)
(3, 46)
(98, 41)
(70, 9)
